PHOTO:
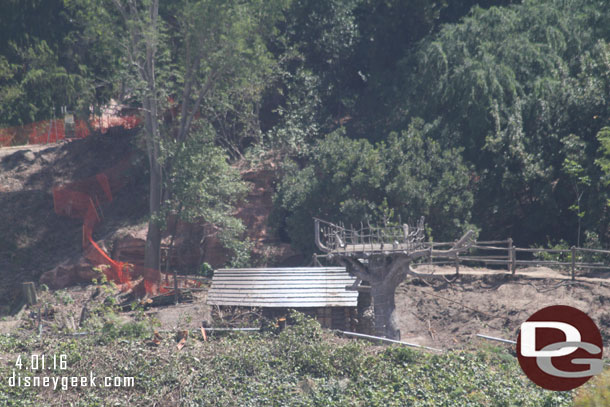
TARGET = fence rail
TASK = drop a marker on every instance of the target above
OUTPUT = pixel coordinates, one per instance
(402, 239)
(490, 253)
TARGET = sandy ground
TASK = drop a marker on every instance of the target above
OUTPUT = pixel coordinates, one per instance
(449, 313)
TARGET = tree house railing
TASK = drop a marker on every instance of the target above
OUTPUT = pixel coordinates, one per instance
(333, 238)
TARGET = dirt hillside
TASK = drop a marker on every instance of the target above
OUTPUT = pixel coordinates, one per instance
(33, 239)
(448, 314)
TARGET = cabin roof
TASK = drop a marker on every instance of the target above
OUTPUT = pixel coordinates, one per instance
(298, 287)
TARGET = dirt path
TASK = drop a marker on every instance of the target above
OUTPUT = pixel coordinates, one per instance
(529, 272)
(4, 151)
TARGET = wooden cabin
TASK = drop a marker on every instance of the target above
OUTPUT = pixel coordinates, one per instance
(316, 291)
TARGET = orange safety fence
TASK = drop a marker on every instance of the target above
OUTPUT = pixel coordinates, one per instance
(81, 200)
(52, 131)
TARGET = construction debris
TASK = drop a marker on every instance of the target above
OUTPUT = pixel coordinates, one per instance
(378, 338)
(181, 337)
(491, 338)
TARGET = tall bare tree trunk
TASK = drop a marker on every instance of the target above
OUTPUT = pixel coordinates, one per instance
(142, 42)
(153, 237)
(153, 138)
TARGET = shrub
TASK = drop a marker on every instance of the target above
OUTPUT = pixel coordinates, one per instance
(596, 393)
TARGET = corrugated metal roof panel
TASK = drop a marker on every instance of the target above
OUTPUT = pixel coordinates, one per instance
(297, 287)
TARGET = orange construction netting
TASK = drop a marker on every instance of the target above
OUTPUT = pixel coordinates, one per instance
(52, 131)
(81, 200)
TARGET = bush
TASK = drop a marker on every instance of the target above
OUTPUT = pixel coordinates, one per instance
(114, 329)
(596, 393)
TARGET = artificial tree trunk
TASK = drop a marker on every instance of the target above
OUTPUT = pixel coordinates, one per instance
(383, 264)
(384, 305)
(385, 274)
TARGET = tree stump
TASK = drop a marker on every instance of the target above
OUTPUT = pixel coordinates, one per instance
(28, 290)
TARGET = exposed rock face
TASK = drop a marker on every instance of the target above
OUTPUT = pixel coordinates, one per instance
(254, 213)
(129, 247)
(69, 273)
(196, 243)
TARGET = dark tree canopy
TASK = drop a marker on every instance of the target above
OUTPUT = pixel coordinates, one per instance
(491, 114)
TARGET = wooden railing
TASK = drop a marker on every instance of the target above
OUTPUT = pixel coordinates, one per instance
(404, 240)
(337, 238)
(503, 252)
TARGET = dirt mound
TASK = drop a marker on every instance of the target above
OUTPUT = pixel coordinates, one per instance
(33, 238)
(449, 314)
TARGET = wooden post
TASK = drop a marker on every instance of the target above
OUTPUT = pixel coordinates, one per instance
(510, 255)
(573, 263)
(29, 293)
(514, 260)
(457, 265)
(39, 320)
(176, 289)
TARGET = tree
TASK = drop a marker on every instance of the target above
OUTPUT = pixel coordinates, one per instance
(578, 178)
(507, 84)
(49, 59)
(205, 187)
(425, 179)
(603, 136)
(352, 181)
(213, 49)
(342, 181)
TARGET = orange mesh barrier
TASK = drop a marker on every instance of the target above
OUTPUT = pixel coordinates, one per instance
(80, 200)
(52, 131)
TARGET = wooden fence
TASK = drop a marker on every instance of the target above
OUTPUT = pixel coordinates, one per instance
(503, 252)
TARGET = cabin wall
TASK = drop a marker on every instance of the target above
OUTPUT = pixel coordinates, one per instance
(342, 318)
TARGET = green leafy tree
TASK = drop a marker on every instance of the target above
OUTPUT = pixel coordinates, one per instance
(353, 181)
(343, 181)
(577, 175)
(49, 59)
(604, 160)
(423, 179)
(205, 187)
(508, 84)
(204, 55)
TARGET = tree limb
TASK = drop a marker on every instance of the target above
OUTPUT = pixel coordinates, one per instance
(356, 268)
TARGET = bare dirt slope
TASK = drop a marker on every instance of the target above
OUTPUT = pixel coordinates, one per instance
(448, 314)
(33, 239)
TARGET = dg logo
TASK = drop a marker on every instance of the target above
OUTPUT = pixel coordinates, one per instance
(560, 348)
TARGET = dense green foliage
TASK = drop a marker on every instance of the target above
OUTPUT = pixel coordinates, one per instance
(355, 181)
(521, 91)
(595, 393)
(204, 186)
(302, 366)
(49, 58)
(470, 112)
